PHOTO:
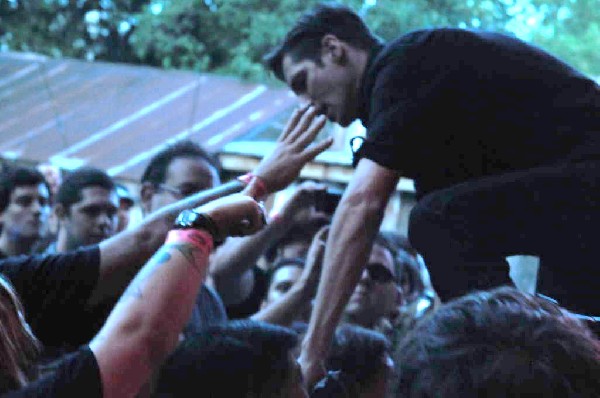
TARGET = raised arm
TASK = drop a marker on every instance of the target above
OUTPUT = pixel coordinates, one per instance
(145, 324)
(355, 224)
(231, 265)
(122, 255)
(285, 310)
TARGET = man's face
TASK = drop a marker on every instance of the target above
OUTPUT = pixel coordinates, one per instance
(329, 86)
(27, 212)
(92, 219)
(282, 281)
(185, 176)
(377, 293)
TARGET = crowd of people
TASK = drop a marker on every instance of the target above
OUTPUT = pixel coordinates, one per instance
(209, 295)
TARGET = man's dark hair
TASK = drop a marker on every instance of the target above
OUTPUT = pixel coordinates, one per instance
(299, 232)
(70, 189)
(237, 359)
(13, 177)
(156, 171)
(284, 262)
(500, 343)
(303, 41)
(358, 353)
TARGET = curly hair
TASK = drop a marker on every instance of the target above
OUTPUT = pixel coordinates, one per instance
(499, 343)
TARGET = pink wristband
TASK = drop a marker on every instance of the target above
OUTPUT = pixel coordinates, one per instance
(260, 183)
(201, 240)
(274, 218)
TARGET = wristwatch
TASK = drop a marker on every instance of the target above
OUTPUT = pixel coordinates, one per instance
(192, 219)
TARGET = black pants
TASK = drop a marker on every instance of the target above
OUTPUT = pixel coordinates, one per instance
(465, 232)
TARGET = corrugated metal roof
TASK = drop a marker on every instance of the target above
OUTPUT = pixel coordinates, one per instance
(116, 116)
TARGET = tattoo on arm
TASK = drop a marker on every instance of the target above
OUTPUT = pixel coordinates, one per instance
(189, 253)
(163, 256)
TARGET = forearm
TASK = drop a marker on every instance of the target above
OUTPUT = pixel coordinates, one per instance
(122, 255)
(237, 255)
(145, 324)
(351, 235)
(284, 311)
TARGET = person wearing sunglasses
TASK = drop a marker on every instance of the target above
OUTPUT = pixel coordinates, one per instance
(378, 295)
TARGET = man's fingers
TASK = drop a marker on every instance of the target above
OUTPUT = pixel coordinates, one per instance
(307, 136)
(293, 121)
(303, 124)
(311, 152)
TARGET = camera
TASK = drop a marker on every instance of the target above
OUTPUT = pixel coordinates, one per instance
(327, 201)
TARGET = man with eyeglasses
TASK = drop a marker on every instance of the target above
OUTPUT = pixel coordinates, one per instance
(179, 171)
(376, 299)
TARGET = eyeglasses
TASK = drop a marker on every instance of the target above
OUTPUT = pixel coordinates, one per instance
(379, 273)
(180, 193)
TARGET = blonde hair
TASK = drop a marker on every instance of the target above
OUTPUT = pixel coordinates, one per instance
(18, 345)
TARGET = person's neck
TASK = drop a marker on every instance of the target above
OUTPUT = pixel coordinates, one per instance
(63, 243)
(361, 60)
(15, 245)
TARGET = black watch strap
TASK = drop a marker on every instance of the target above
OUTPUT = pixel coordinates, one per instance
(193, 219)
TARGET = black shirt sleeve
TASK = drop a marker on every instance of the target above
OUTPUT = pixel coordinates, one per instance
(77, 376)
(54, 290)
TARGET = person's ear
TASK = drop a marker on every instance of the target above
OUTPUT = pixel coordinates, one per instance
(333, 48)
(146, 194)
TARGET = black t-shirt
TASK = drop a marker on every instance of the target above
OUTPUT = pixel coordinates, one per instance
(54, 290)
(209, 310)
(77, 376)
(443, 106)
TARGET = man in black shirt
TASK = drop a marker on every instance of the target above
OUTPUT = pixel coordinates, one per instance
(501, 139)
(62, 286)
(24, 209)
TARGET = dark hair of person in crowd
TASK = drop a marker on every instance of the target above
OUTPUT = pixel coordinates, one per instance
(156, 171)
(69, 191)
(237, 359)
(18, 345)
(13, 177)
(301, 232)
(303, 41)
(284, 262)
(360, 354)
(409, 266)
(499, 343)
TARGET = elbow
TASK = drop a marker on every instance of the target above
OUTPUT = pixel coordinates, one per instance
(153, 340)
(158, 345)
(364, 203)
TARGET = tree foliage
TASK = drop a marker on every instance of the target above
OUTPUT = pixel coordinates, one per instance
(231, 36)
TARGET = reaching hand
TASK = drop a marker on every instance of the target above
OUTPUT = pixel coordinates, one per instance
(234, 215)
(314, 261)
(300, 207)
(293, 150)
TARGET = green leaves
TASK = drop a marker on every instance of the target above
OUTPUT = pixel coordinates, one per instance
(231, 36)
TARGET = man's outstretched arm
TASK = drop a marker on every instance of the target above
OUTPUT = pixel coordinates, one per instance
(122, 255)
(355, 224)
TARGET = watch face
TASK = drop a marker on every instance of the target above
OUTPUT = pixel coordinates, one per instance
(187, 218)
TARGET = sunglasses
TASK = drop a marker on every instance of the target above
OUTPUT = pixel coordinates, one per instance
(379, 273)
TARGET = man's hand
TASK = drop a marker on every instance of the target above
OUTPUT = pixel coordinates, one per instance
(235, 215)
(312, 372)
(300, 207)
(314, 261)
(282, 166)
